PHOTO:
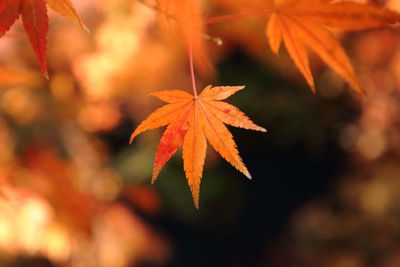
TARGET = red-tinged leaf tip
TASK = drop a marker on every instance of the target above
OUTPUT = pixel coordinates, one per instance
(35, 21)
(170, 142)
(161, 117)
(131, 139)
(46, 75)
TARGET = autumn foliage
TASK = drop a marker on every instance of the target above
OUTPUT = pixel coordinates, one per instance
(191, 120)
(35, 20)
(300, 25)
(323, 182)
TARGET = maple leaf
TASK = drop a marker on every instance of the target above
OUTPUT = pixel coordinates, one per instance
(191, 121)
(184, 18)
(302, 24)
(35, 21)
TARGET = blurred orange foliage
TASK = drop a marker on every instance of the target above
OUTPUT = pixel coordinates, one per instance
(71, 189)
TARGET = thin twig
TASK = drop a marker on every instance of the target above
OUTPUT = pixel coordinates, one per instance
(156, 8)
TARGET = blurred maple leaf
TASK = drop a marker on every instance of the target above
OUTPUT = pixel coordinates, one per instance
(302, 23)
(191, 120)
(185, 18)
(35, 21)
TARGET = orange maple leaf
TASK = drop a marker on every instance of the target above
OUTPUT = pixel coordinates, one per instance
(191, 121)
(303, 23)
(35, 21)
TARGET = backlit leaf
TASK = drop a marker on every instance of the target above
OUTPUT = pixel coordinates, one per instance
(303, 24)
(35, 21)
(192, 121)
(34, 16)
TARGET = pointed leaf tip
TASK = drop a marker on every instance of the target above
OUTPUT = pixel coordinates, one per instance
(66, 9)
(313, 89)
(220, 92)
(86, 29)
(248, 175)
(172, 96)
(131, 139)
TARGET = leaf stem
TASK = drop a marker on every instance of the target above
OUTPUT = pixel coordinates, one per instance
(156, 8)
(190, 46)
(224, 18)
